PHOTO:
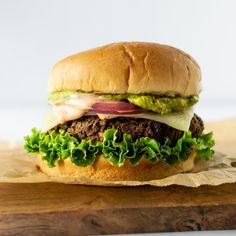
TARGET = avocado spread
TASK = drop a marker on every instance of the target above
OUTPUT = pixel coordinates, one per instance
(57, 96)
(155, 103)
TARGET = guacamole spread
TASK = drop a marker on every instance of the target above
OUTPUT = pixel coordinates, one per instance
(161, 105)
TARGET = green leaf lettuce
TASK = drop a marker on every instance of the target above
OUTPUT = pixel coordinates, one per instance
(55, 146)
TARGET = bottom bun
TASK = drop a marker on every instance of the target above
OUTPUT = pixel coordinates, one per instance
(103, 170)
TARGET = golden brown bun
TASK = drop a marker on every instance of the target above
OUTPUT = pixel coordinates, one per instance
(136, 68)
(103, 170)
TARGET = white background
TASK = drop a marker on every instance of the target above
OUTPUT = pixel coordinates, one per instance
(35, 34)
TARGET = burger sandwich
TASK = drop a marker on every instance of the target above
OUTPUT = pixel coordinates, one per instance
(122, 112)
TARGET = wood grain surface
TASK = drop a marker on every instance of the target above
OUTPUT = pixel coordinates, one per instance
(58, 209)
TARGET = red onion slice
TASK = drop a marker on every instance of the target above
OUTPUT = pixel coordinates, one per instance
(119, 113)
(116, 108)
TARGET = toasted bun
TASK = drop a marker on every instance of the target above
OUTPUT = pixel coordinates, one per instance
(136, 68)
(103, 170)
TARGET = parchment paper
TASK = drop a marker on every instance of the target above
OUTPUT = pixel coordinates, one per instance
(18, 167)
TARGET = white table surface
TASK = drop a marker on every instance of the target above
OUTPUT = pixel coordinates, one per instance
(17, 121)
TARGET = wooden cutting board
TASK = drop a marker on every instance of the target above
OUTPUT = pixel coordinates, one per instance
(58, 209)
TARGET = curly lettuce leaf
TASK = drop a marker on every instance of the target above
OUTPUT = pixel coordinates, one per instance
(60, 146)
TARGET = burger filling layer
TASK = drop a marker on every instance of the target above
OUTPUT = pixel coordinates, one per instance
(174, 111)
(156, 103)
(120, 128)
(119, 140)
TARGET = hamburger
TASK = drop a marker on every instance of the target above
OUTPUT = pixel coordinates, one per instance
(122, 112)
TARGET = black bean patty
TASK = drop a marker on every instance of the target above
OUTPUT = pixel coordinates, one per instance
(91, 127)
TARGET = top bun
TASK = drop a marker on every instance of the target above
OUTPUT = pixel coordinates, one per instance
(128, 67)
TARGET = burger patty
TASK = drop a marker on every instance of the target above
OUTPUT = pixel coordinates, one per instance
(91, 127)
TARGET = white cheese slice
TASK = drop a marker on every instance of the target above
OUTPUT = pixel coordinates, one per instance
(49, 121)
(177, 120)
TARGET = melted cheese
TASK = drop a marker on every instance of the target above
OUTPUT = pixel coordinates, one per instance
(177, 120)
(49, 121)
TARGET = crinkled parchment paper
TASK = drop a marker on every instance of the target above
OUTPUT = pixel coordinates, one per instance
(18, 167)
